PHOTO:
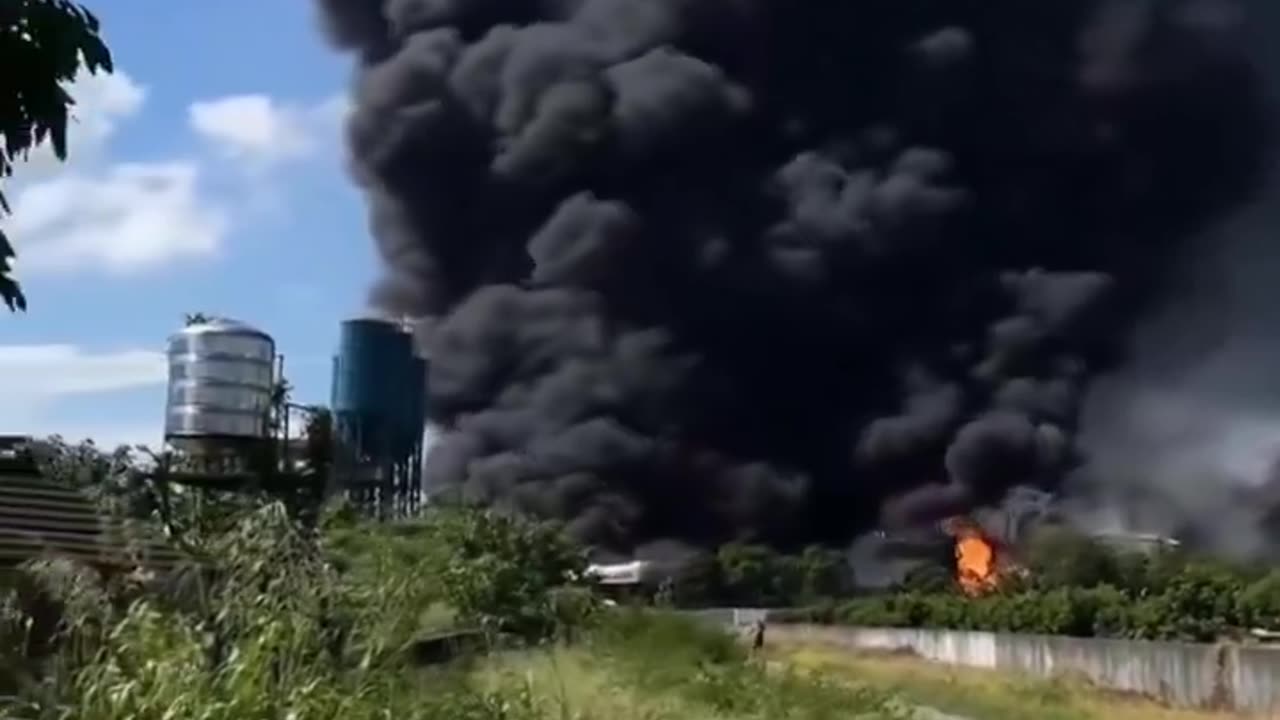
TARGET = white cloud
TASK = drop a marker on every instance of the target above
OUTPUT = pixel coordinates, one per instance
(50, 371)
(35, 379)
(262, 131)
(125, 217)
(97, 213)
(335, 110)
(116, 218)
(130, 217)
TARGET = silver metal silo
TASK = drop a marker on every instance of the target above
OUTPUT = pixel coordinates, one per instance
(221, 378)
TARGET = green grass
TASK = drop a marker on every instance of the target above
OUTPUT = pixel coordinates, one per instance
(981, 694)
(572, 683)
(654, 667)
(673, 656)
(281, 634)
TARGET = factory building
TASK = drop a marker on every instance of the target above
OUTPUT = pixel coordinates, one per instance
(1144, 543)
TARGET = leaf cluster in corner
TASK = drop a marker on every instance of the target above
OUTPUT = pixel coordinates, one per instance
(47, 42)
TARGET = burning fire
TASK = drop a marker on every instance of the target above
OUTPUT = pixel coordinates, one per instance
(977, 557)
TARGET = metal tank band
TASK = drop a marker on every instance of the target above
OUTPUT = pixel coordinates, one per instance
(221, 381)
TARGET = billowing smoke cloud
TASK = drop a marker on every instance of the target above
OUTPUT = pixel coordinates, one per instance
(780, 269)
(1185, 438)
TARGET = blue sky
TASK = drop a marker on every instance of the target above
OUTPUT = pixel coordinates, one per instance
(206, 175)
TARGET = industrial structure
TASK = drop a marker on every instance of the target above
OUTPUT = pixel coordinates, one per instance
(227, 415)
(223, 376)
(637, 580)
(1142, 543)
(378, 401)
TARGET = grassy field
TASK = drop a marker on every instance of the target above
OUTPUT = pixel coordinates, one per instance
(665, 669)
(298, 628)
(567, 683)
(980, 694)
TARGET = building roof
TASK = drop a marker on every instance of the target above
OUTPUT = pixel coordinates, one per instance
(41, 518)
(1135, 539)
(629, 573)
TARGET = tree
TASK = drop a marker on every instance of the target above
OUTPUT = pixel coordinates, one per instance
(752, 575)
(508, 575)
(819, 573)
(1259, 603)
(43, 45)
(928, 578)
(318, 434)
(109, 478)
(1060, 557)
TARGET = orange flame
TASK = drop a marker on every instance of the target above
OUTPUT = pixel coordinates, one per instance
(977, 561)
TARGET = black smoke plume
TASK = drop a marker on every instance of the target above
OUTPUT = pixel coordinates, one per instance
(782, 269)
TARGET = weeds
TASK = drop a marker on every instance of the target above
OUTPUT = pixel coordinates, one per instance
(277, 630)
(664, 653)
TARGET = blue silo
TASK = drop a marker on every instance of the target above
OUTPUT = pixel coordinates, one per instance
(378, 400)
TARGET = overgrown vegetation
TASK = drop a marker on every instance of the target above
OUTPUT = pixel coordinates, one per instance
(277, 618)
(1075, 586)
(757, 576)
(282, 619)
(984, 693)
(1079, 587)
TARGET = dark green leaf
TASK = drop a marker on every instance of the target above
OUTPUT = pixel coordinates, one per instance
(44, 44)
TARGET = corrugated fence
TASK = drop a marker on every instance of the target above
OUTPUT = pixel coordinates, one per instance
(1236, 677)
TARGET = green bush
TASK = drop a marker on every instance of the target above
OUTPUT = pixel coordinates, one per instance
(670, 655)
(1080, 588)
(1259, 603)
(293, 620)
(1200, 603)
(1057, 557)
(273, 628)
(745, 575)
(501, 572)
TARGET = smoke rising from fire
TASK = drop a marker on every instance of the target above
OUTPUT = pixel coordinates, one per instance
(777, 269)
(1185, 438)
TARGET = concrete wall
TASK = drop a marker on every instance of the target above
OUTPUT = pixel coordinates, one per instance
(1242, 678)
(732, 618)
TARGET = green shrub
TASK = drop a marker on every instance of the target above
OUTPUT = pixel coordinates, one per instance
(746, 575)
(675, 655)
(291, 621)
(1259, 603)
(754, 575)
(928, 578)
(1059, 557)
(501, 571)
(273, 629)
(1166, 595)
(1199, 604)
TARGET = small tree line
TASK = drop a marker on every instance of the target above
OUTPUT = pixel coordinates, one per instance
(1079, 587)
(746, 575)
